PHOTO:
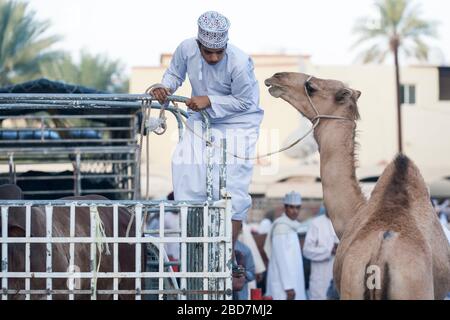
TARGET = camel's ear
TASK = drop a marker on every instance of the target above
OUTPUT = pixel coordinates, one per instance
(343, 95)
(356, 94)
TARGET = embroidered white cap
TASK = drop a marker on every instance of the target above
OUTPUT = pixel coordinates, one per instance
(213, 30)
(293, 199)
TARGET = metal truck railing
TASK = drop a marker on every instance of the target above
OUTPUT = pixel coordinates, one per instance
(205, 228)
(94, 136)
(212, 267)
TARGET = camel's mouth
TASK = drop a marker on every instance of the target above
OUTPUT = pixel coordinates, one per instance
(274, 89)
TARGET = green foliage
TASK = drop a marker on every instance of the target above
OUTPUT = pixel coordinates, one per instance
(25, 54)
(95, 71)
(397, 26)
(23, 45)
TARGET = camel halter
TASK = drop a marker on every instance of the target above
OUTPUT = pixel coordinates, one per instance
(318, 115)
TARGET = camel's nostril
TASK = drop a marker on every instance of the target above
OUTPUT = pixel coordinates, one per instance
(267, 82)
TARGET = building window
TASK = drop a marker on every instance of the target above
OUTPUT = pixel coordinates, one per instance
(408, 94)
(444, 83)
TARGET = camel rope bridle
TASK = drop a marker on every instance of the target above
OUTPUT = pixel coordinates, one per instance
(318, 115)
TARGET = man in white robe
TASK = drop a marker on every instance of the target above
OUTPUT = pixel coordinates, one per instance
(224, 85)
(320, 247)
(285, 277)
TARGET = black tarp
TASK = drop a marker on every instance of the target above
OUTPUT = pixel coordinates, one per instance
(47, 86)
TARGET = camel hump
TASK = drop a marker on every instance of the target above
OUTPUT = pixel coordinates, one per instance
(399, 178)
(409, 175)
(405, 186)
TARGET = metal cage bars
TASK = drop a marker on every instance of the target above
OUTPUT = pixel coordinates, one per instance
(214, 270)
(213, 221)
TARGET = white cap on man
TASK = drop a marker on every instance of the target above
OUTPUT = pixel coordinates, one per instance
(213, 30)
(293, 199)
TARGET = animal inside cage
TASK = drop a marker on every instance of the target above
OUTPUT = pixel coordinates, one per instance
(98, 249)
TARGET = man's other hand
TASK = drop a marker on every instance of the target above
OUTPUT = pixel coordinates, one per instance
(198, 103)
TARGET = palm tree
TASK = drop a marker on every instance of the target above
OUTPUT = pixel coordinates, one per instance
(96, 71)
(23, 47)
(399, 30)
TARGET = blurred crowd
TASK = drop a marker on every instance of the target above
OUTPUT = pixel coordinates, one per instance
(290, 260)
(294, 260)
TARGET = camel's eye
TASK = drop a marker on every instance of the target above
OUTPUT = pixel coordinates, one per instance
(310, 88)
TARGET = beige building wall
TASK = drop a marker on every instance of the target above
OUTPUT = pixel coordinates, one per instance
(425, 124)
(426, 128)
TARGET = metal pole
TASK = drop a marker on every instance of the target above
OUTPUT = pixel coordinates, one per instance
(206, 246)
(399, 103)
(209, 156)
(93, 253)
(228, 249)
(12, 169)
(72, 267)
(4, 264)
(49, 234)
(223, 170)
(161, 249)
(27, 247)
(184, 220)
(77, 173)
(138, 249)
(116, 248)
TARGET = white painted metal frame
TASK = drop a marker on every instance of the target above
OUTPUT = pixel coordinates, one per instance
(48, 262)
(215, 244)
(4, 253)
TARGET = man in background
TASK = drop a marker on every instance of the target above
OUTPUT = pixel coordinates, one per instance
(285, 276)
(320, 248)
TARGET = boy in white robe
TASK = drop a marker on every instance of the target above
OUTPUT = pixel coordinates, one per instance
(224, 85)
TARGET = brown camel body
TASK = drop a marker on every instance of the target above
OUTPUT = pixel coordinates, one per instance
(392, 245)
(60, 252)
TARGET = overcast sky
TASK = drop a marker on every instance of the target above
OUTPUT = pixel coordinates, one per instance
(138, 31)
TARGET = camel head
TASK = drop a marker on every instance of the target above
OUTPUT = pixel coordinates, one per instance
(330, 97)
